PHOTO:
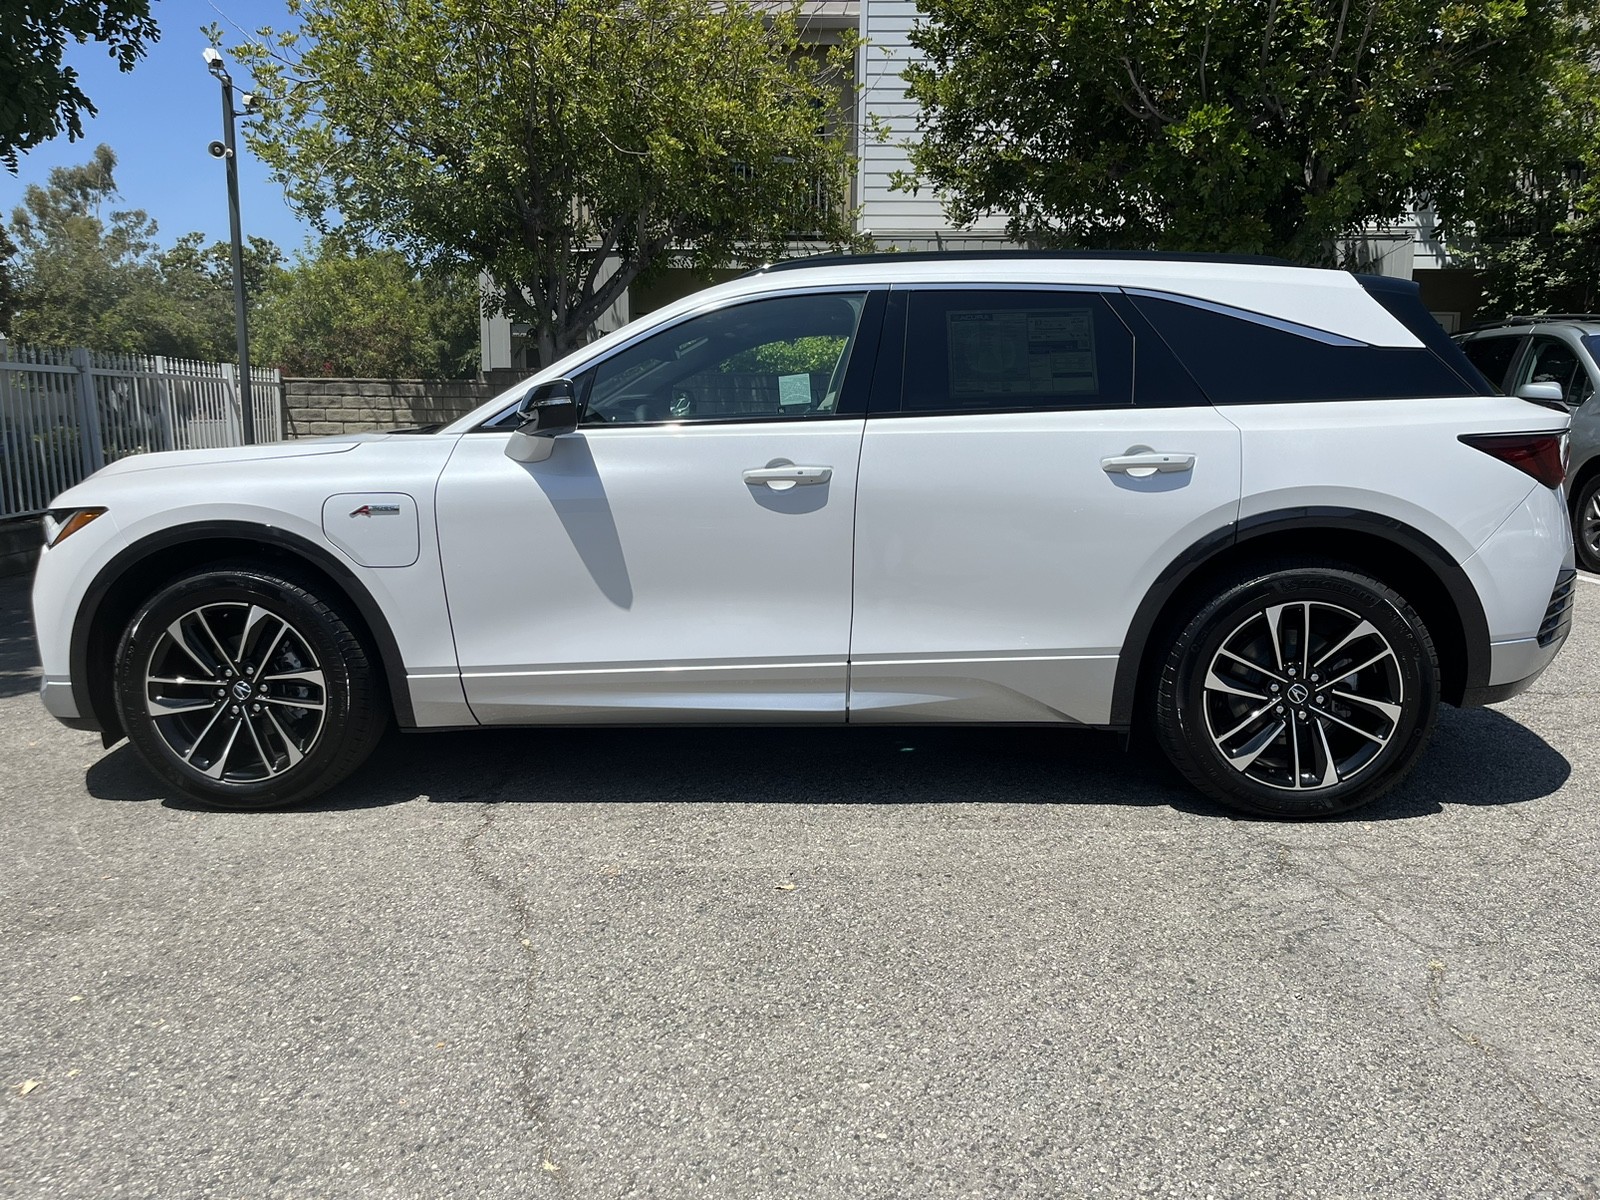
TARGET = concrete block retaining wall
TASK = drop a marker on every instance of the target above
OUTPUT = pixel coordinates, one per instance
(314, 407)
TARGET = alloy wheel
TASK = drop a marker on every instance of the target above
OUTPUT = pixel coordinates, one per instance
(1302, 696)
(236, 692)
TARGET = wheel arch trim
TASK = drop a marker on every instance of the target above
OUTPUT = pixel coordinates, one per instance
(94, 597)
(1450, 574)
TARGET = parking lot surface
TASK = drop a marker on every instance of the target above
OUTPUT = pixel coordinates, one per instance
(819, 963)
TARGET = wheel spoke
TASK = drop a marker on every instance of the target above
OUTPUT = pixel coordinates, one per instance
(1376, 658)
(1253, 748)
(1294, 741)
(211, 635)
(294, 752)
(165, 706)
(1216, 683)
(1392, 711)
(1330, 769)
(1252, 665)
(267, 760)
(1244, 724)
(1360, 631)
(1305, 642)
(216, 769)
(210, 725)
(246, 654)
(285, 702)
(1274, 617)
(180, 640)
(314, 678)
(1371, 737)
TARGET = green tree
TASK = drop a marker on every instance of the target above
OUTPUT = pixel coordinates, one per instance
(88, 278)
(536, 140)
(8, 291)
(41, 96)
(1208, 125)
(1538, 249)
(367, 315)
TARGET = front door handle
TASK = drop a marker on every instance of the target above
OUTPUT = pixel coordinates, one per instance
(787, 475)
(1143, 464)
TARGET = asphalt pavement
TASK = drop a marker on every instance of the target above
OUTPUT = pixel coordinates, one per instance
(820, 963)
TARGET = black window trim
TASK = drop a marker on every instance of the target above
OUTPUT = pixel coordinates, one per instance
(868, 328)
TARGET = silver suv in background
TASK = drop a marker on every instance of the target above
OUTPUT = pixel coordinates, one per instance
(1554, 358)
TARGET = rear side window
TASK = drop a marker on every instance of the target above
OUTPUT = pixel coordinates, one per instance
(1492, 356)
(1239, 360)
(1009, 351)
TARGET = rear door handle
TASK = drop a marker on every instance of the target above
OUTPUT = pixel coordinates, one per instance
(1146, 463)
(790, 475)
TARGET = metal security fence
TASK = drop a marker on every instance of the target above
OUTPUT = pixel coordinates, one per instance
(66, 413)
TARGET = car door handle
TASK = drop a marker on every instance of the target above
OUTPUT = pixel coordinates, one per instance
(1147, 463)
(790, 474)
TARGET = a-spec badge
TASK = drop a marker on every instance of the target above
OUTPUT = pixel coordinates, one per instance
(377, 510)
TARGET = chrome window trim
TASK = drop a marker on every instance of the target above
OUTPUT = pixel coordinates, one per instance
(1244, 314)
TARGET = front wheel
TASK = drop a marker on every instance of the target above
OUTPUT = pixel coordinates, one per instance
(243, 688)
(1298, 691)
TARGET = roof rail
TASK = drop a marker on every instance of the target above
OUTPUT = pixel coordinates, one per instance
(851, 260)
(1539, 319)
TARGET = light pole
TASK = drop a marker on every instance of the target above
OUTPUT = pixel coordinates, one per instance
(224, 151)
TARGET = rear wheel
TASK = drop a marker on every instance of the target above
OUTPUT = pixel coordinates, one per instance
(243, 688)
(1299, 691)
(1586, 523)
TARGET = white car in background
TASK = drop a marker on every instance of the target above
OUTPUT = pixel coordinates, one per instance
(1269, 513)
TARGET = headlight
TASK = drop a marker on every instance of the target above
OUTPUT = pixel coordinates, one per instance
(62, 523)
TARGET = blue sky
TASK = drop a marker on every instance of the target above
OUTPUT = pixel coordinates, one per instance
(159, 117)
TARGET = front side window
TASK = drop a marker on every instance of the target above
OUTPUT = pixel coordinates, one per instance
(775, 359)
(1551, 360)
(1004, 351)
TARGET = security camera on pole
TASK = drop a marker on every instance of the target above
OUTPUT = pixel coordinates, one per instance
(224, 150)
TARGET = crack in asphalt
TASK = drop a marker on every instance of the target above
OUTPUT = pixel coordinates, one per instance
(535, 1107)
(1550, 1119)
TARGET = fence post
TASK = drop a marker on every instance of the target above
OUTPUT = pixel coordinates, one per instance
(234, 425)
(94, 454)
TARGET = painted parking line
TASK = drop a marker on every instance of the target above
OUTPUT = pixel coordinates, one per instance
(1588, 577)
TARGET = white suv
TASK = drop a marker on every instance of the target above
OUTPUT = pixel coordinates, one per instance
(1268, 513)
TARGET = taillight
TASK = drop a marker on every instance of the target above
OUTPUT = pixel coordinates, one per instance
(1542, 455)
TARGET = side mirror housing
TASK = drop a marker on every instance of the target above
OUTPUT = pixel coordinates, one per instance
(547, 411)
(1551, 395)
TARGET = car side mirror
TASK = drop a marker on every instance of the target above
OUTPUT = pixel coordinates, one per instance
(547, 411)
(1544, 393)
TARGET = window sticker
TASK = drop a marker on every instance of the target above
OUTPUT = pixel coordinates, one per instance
(1026, 352)
(794, 391)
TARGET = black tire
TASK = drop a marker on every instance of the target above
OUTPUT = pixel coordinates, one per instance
(243, 688)
(1586, 523)
(1345, 737)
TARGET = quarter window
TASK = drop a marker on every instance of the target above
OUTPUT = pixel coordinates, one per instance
(1237, 360)
(1004, 351)
(775, 359)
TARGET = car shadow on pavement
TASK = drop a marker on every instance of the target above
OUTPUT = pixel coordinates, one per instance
(19, 652)
(1477, 757)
